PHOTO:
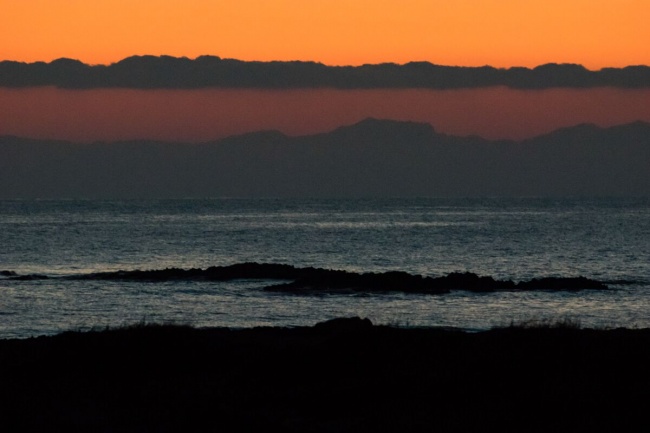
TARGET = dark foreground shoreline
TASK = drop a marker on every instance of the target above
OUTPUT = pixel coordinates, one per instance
(341, 376)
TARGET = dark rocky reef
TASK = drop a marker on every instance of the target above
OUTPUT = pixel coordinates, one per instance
(559, 283)
(317, 280)
(11, 275)
(345, 375)
(30, 277)
(261, 271)
(334, 281)
(322, 280)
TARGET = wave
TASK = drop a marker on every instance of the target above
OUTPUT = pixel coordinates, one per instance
(625, 282)
(311, 280)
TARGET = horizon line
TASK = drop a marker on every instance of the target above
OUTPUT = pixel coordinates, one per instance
(168, 72)
(317, 62)
(333, 130)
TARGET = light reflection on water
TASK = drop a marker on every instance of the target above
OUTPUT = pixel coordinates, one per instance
(38, 308)
(515, 239)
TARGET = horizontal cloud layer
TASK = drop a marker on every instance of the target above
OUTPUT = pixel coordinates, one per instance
(144, 72)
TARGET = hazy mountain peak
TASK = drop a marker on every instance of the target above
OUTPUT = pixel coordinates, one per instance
(636, 125)
(579, 128)
(586, 130)
(268, 135)
(561, 67)
(376, 126)
(67, 61)
(374, 157)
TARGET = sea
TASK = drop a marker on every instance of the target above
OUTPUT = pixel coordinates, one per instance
(515, 239)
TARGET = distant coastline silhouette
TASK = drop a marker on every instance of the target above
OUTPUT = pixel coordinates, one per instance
(373, 158)
(156, 72)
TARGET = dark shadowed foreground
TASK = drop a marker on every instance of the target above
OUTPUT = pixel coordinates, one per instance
(343, 375)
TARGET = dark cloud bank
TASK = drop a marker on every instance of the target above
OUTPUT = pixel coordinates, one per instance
(373, 158)
(209, 71)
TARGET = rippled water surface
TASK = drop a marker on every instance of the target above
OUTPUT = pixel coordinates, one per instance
(608, 240)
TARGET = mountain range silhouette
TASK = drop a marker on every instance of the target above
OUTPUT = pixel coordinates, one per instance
(152, 72)
(372, 158)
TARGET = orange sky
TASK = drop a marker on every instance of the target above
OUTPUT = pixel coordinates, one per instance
(206, 114)
(595, 33)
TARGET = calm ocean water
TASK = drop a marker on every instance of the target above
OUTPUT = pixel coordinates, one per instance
(519, 239)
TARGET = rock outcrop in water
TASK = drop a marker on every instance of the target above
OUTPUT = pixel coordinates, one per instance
(317, 280)
(336, 281)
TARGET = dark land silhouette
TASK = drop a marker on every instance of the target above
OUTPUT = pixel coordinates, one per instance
(149, 72)
(340, 376)
(317, 280)
(373, 158)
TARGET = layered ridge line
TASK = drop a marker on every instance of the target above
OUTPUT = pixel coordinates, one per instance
(156, 72)
(371, 158)
(310, 280)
